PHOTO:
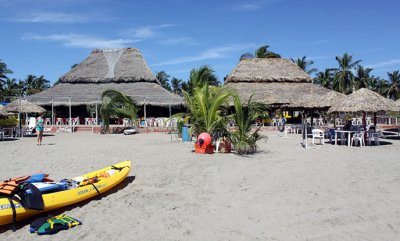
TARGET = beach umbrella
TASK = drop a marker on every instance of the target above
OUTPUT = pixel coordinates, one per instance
(313, 101)
(364, 100)
(24, 106)
(3, 112)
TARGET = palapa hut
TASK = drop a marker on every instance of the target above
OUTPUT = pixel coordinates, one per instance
(275, 82)
(124, 70)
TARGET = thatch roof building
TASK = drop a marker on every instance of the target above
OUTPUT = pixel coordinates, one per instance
(275, 82)
(124, 70)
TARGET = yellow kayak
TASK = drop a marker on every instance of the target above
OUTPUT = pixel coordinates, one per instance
(102, 180)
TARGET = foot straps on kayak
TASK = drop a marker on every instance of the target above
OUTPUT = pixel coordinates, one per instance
(118, 168)
(14, 217)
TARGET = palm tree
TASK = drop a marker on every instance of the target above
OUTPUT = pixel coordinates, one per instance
(3, 77)
(394, 85)
(176, 86)
(325, 78)
(263, 52)
(4, 71)
(343, 80)
(379, 86)
(244, 138)
(29, 84)
(206, 109)
(305, 64)
(201, 76)
(163, 77)
(35, 84)
(115, 103)
(41, 84)
(362, 79)
(10, 87)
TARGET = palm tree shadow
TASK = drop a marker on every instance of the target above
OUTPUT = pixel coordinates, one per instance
(21, 224)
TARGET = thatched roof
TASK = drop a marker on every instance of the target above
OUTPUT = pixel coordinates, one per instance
(111, 65)
(23, 106)
(317, 101)
(81, 94)
(124, 70)
(3, 112)
(364, 100)
(271, 81)
(282, 93)
(398, 102)
(267, 70)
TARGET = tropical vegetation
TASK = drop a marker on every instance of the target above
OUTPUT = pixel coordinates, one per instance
(245, 138)
(11, 88)
(116, 104)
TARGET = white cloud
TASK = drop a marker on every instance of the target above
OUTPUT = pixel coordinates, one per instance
(147, 32)
(46, 17)
(384, 63)
(253, 5)
(82, 41)
(213, 53)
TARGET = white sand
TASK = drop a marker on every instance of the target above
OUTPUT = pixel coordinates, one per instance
(281, 193)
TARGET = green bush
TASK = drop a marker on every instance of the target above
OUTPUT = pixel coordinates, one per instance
(9, 121)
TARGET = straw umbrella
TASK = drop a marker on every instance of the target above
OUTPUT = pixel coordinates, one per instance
(3, 112)
(364, 100)
(314, 101)
(23, 106)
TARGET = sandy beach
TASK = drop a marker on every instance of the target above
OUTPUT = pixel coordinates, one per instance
(281, 193)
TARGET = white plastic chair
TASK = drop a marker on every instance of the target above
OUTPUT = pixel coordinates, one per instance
(373, 136)
(318, 133)
(358, 138)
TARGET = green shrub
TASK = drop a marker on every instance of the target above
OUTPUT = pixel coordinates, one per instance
(9, 121)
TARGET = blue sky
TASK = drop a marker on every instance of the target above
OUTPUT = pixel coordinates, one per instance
(46, 37)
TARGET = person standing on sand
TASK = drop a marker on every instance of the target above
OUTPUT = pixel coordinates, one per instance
(39, 128)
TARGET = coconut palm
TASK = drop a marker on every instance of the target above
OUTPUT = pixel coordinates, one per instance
(325, 78)
(261, 52)
(4, 71)
(201, 76)
(245, 138)
(3, 77)
(305, 64)
(163, 77)
(10, 87)
(394, 85)
(206, 109)
(379, 86)
(176, 86)
(343, 80)
(362, 79)
(115, 103)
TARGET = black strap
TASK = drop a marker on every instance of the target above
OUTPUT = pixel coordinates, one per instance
(14, 218)
(118, 168)
(97, 190)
